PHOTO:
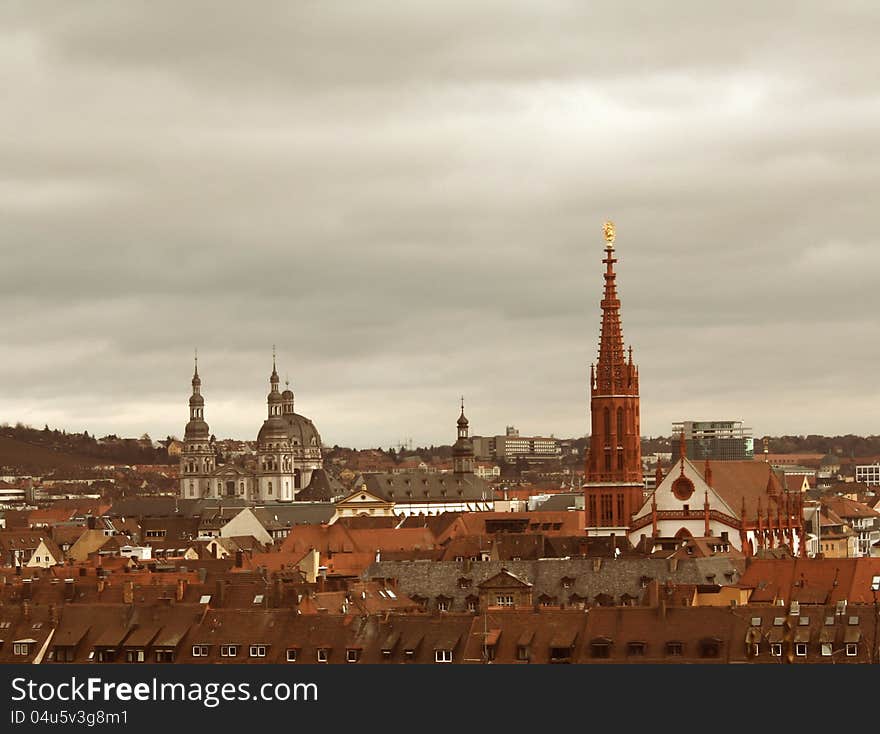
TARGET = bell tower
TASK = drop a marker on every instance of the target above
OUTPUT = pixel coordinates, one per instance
(463, 449)
(613, 489)
(197, 459)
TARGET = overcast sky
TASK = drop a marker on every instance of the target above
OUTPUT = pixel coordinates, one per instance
(407, 199)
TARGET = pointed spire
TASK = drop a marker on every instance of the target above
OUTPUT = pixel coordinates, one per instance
(196, 380)
(681, 452)
(462, 420)
(654, 528)
(609, 368)
(273, 378)
(771, 485)
(707, 530)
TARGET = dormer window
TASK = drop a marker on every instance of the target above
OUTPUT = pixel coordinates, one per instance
(442, 656)
(636, 649)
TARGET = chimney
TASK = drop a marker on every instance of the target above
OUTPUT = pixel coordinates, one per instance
(90, 522)
(128, 592)
(181, 588)
(53, 615)
(101, 584)
(613, 545)
(239, 558)
(69, 589)
(278, 601)
(26, 610)
(220, 594)
(26, 588)
(661, 608)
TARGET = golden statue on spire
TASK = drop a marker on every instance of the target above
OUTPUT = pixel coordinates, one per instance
(608, 229)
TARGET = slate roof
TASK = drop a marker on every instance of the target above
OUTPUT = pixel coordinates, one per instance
(591, 576)
(322, 487)
(422, 487)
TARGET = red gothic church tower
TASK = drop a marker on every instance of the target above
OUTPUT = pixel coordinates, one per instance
(613, 490)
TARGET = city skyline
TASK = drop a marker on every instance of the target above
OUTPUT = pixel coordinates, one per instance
(424, 220)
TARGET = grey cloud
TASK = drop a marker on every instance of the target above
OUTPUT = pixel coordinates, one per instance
(407, 199)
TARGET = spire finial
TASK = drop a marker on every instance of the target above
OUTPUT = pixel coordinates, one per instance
(273, 357)
(196, 357)
(608, 231)
(462, 404)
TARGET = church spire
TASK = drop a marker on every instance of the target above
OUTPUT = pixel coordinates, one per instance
(196, 380)
(273, 378)
(615, 453)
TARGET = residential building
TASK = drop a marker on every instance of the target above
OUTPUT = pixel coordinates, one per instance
(512, 447)
(868, 473)
(421, 493)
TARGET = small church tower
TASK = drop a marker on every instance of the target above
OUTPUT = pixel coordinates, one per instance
(463, 449)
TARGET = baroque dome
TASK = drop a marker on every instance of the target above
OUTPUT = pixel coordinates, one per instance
(301, 431)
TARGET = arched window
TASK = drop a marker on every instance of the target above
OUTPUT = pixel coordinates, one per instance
(620, 427)
(607, 416)
(270, 487)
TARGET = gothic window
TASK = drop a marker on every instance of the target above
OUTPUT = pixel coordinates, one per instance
(606, 517)
(607, 461)
(270, 487)
(620, 459)
(607, 416)
(620, 428)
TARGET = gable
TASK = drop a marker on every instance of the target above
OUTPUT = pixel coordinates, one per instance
(673, 493)
(504, 580)
(362, 497)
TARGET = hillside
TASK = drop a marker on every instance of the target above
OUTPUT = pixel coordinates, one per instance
(24, 457)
